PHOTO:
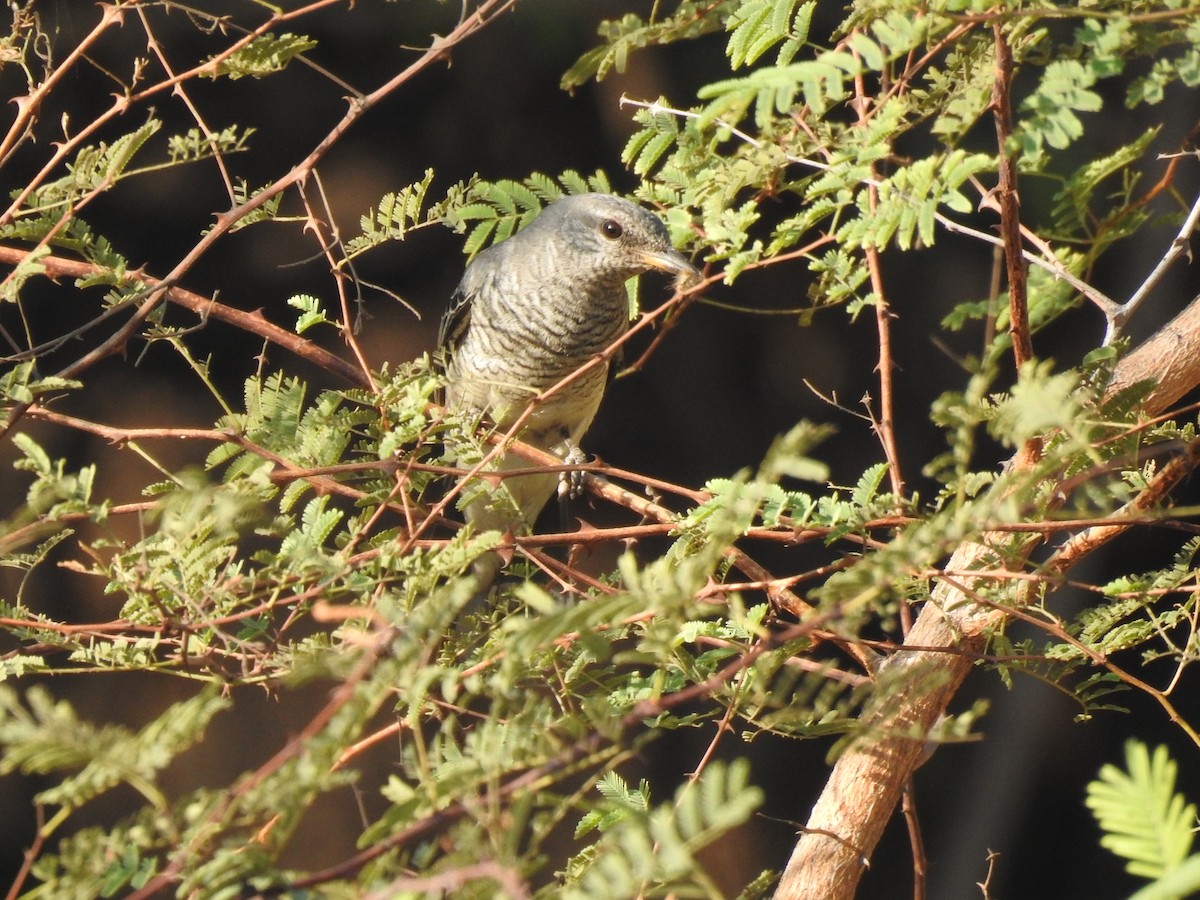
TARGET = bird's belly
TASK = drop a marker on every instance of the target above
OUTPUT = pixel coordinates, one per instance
(554, 423)
(547, 404)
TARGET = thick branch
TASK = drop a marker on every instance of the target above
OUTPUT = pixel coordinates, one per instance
(867, 781)
(1170, 359)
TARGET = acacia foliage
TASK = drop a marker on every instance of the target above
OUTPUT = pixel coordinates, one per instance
(317, 544)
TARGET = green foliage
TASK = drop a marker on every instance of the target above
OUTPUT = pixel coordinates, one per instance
(264, 55)
(54, 491)
(265, 211)
(21, 384)
(194, 145)
(819, 83)
(621, 37)
(1065, 89)
(311, 312)
(620, 804)
(500, 209)
(652, 853)
(759, 25)
(908, 203)
(1144, 821)
(317, 545)
(392, 218)
(1130, 618)
(47, 737)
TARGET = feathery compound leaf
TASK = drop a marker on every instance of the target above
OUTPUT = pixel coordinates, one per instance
(30, 266)
(867, 487)
(500, 209)
(758, 25)
(96, 167)
(265, 211)
(114, 159)
(1041, 400)
(621, 802)
(631, 32)
(311, 312)
(264, 55)
(1065, 89)
(908, 202)
(304, 544)
(47, 737)
(1075, 201)
(395, 215)
(774, 90)
(195, 145)
(1142, 817)
(646, 148)
(654, 854)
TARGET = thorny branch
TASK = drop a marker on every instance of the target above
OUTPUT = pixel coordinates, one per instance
(866, 782)
(1010, 204)
(298, 174)
(253, 322)
(941, 640)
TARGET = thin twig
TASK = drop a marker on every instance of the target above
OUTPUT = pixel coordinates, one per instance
(206, 307)
(1050, 263)
(1010, 204)
(1180, 246)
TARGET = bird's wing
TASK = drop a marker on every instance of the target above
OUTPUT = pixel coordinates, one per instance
(476, 279)
(455, 319)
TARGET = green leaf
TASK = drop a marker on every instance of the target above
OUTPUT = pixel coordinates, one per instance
(1039, 402)
(493, 211)
(1050, 111)
(263, 56)
(631, 32)
(393, 217)
(774, 90)
(1144, 821)
(1179, 883)
(758, 25)
(653, 853)
(311, 312)
(194, 145)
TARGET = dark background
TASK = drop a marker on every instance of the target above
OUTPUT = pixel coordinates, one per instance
(709, 403)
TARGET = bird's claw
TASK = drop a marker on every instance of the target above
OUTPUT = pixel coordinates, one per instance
(570, 484)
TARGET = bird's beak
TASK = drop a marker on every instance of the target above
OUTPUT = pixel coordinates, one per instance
(673, 262)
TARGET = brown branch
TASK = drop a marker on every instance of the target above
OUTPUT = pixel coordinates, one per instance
(570, 757)
(1010, 207)
(205, 307)
(1084, 543)
(27, 107)
(867, 781)
(1010, 217)
(884, 425)
(122, 103)
(342, 695)
(1169, 360)
(194, 111)
(1102, 661)
(317, 225)
(439, 49)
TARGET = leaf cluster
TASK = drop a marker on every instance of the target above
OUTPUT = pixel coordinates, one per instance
(318, 543)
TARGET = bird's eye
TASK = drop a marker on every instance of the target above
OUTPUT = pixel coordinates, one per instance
(612, 229)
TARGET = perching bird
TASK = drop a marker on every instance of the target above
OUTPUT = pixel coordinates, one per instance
(530, 311)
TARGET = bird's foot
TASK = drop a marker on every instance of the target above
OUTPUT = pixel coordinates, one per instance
(570, 484)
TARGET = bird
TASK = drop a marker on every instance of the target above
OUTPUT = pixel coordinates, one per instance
(530, 311)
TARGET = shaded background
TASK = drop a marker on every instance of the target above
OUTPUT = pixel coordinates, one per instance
(709, 402)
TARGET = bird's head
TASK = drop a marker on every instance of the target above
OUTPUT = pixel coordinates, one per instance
(612, 237)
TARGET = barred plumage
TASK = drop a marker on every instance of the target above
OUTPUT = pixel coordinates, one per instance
(528, 313)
